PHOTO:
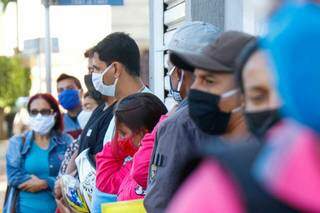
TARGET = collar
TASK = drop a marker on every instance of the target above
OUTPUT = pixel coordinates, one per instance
(29, 139)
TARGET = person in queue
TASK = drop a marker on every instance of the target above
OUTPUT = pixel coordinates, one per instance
(136, 117)
(287, 167)
(283, 175)
(262, 111)
(115, 59)
(171, 140)
(91, 138)
(116, 73)
(214, 109)
(69, 94)
(89, 104)
(33, 158)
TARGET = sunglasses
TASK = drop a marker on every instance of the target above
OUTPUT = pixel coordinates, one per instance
(44, 112)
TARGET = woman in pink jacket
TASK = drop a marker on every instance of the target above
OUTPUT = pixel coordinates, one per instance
(122, 166)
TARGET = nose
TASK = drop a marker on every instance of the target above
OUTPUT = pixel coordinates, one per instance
(196, 84)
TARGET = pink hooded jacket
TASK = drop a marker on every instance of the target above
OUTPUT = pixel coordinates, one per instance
(288, 167)
(126, 179)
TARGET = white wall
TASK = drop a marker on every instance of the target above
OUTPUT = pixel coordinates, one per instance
(240, 15)
(132, 18)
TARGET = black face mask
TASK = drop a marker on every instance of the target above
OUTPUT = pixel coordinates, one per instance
(92, 91)
(205, 112)
(260, 122)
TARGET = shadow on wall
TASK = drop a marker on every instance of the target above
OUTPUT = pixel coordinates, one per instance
(144, 67)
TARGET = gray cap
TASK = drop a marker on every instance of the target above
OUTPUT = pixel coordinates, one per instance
(201, 45)
(191, 39)
(222, 54)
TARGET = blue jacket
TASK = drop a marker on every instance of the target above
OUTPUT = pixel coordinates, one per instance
(17, 151)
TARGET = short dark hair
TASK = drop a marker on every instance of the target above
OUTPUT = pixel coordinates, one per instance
(88, 53)
(252, 47)
(66, 76)
(58, 126)
(122, 48)
(140, 111)
(98, 100)
(177, 61)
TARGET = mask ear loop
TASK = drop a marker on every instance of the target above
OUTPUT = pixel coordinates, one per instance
(180, 81)
(230, 94)
(105, 71)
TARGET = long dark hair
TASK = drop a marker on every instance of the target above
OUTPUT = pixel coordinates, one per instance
(54, 106)
(140, 111)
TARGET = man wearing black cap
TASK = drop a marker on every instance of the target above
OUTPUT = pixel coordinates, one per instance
(214, 99)
(214, 110)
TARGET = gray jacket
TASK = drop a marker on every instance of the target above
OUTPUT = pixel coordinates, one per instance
(177, 142)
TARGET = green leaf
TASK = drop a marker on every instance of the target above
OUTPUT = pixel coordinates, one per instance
(5, 3)
(14, 81)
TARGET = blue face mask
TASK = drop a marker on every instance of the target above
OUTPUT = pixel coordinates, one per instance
(176, 92)
(69, 99)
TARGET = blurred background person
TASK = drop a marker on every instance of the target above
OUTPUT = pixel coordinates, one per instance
(287, 167)
(89, 104)
(70, 93)
(20, 122)
(33, 159)
(283, 176)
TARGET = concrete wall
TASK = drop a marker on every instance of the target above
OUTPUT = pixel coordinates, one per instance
(132, 18)
(211, 11)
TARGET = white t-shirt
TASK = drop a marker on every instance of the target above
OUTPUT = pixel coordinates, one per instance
(111, 129)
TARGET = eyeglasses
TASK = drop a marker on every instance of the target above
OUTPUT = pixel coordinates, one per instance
(44, 112)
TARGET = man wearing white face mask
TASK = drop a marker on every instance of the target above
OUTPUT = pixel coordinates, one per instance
(116, 73)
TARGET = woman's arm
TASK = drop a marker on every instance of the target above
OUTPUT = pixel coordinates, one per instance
(34, 184)
(15, 173)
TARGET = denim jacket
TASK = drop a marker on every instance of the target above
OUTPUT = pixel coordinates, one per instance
(17, 151)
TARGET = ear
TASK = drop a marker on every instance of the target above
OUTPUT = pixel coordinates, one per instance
(241, 100)
(141, 132)
(178, 70)
(80, 93)
(118, 69)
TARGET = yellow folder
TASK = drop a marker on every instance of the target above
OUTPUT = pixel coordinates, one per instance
(132, 206)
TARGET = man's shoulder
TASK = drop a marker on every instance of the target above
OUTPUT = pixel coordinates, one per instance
(179, 119)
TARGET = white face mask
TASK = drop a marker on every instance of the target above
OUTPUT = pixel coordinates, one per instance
(42, 124)
(97, 80)
(83, 118)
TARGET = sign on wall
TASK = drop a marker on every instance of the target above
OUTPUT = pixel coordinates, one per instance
(86, 2)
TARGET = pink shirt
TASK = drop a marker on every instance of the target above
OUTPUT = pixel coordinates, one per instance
(128, 180)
